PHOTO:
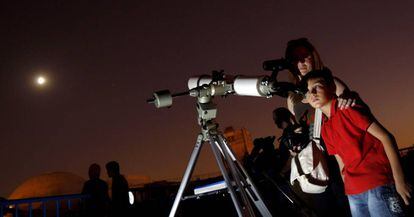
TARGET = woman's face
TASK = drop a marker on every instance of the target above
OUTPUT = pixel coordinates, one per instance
(303, 60)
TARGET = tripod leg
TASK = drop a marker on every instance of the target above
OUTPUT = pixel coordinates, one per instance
(251, 188)
(187, 174)
(220, 163)
(239, 180)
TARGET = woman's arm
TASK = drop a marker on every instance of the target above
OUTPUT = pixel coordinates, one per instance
(389, 144)
(340, 86)
(344, 98)
(290, 103)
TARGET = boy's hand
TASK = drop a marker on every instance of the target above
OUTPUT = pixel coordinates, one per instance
(404, 190)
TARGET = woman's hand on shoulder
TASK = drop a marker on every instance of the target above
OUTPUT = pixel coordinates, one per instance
(346, 100)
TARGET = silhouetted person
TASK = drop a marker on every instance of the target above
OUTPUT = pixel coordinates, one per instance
(120, 197)
(97, 204)
(264, 156)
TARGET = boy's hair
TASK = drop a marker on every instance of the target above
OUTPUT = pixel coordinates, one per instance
(325, 74)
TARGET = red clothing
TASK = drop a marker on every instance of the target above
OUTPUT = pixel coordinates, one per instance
(366, 165)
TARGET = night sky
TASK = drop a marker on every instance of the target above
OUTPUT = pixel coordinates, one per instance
(104, 59)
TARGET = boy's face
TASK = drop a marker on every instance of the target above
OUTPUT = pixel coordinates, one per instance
(319, 93)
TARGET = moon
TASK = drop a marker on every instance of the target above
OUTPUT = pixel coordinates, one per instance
(41, 81)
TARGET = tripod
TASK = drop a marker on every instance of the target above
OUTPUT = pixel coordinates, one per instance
(240, 187)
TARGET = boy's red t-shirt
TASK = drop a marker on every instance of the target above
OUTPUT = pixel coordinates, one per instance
(366, 165)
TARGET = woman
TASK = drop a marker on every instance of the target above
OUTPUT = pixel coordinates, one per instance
(304, 58)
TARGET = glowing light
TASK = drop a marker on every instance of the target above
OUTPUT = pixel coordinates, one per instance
(131, 198)
(41, 80)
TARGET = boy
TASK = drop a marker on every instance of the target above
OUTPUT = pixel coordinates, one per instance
(365, 151)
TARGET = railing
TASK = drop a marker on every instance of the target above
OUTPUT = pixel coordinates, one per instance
(404, 151)
(13, 205)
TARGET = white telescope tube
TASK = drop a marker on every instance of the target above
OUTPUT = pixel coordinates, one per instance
(248, 86)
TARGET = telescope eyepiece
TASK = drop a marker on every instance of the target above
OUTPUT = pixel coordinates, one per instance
(276, 65)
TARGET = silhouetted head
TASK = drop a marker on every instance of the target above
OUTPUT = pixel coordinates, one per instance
(112, 168)
(94, 171)
(265, 143)
(282, 117)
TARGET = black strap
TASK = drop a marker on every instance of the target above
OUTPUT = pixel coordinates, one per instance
(298, 165)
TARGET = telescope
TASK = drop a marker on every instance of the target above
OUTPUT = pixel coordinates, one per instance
(241, 188)
(218, 84)
(238, 183)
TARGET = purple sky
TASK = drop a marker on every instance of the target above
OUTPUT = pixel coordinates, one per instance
(104, 60)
